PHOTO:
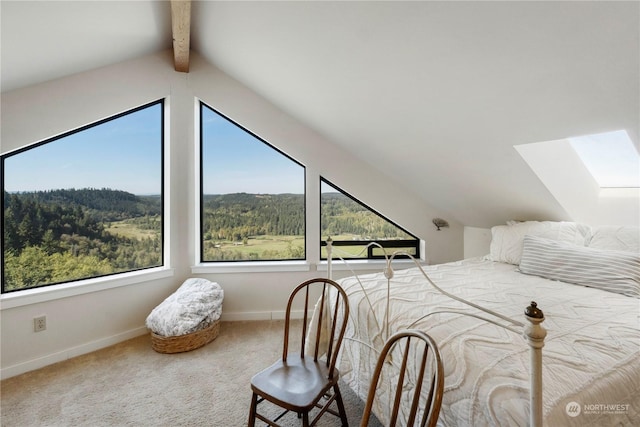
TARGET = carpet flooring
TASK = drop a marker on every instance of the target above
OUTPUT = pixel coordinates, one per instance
(129, 384)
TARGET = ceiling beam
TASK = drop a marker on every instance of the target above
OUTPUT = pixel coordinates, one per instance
(180, 27)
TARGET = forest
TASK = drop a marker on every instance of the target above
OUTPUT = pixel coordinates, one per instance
(343, 216)
(62, 235)
(237, 216)
(241, 226)
(70, 234)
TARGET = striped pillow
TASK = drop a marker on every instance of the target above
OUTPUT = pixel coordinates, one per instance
(613, 271)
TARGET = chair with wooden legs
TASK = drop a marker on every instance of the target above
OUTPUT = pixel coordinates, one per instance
(419, 354)
(302, 381)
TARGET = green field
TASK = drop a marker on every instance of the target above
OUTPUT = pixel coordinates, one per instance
(266, 247)
(127, 229)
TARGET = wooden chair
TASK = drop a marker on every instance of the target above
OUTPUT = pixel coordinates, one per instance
(300, 382)
(417, 355)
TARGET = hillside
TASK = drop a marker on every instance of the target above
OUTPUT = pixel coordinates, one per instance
(103, 204)
(240, 215)
(61, 235)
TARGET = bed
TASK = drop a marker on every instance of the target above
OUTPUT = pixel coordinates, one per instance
(591, 356)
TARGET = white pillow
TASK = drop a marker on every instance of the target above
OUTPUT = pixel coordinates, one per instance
(617, 238)
(506, 240)
(613, 271)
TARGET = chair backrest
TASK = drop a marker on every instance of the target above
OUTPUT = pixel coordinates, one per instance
(419, 355)
(325, 329)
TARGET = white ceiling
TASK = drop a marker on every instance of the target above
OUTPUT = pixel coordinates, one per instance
(435, 94)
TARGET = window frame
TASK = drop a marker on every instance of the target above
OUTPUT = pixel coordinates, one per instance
(296, 264)
(102, 281)
(367, 244)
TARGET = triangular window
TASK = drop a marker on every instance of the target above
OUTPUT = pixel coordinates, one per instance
(352, 226)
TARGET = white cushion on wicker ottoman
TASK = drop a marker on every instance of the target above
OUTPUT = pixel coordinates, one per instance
(193, 306)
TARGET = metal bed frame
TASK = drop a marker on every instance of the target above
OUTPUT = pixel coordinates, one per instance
(531, 329)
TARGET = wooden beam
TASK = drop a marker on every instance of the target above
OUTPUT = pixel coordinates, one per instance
(180, 27)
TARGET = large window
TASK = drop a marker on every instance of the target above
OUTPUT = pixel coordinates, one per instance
(352, 226)
(252, 206)
(85, 204)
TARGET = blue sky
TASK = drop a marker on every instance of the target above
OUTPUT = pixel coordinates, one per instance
(123, 154)
(610, 157)
(235, 161)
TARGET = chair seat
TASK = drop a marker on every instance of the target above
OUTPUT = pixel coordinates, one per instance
(294, 384)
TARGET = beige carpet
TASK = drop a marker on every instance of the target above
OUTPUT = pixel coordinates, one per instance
(129, 384)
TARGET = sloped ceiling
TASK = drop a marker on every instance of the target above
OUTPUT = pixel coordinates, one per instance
(434, 94)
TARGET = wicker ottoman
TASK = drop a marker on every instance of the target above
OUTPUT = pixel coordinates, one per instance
(186, 342)
(187, 319)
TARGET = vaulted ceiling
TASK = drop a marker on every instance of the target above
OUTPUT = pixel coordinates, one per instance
(434, 94)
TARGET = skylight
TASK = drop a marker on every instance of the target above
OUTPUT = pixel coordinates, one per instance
(611, 158)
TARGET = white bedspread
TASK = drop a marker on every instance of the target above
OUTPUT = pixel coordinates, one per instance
(591, 356)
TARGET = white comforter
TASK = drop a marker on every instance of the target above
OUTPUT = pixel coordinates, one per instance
(591, 356)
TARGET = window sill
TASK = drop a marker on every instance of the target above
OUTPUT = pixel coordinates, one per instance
(49, 293)
(251, 267)
(289, 266)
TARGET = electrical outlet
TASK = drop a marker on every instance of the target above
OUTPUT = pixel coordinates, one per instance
(39, 323)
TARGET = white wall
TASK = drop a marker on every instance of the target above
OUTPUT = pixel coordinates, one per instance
(85, 318)
(477, 241)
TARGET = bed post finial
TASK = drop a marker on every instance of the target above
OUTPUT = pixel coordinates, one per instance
(534, 311)
(329, 257)
(535, 335)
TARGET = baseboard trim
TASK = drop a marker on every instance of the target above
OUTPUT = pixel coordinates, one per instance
(50, 359)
